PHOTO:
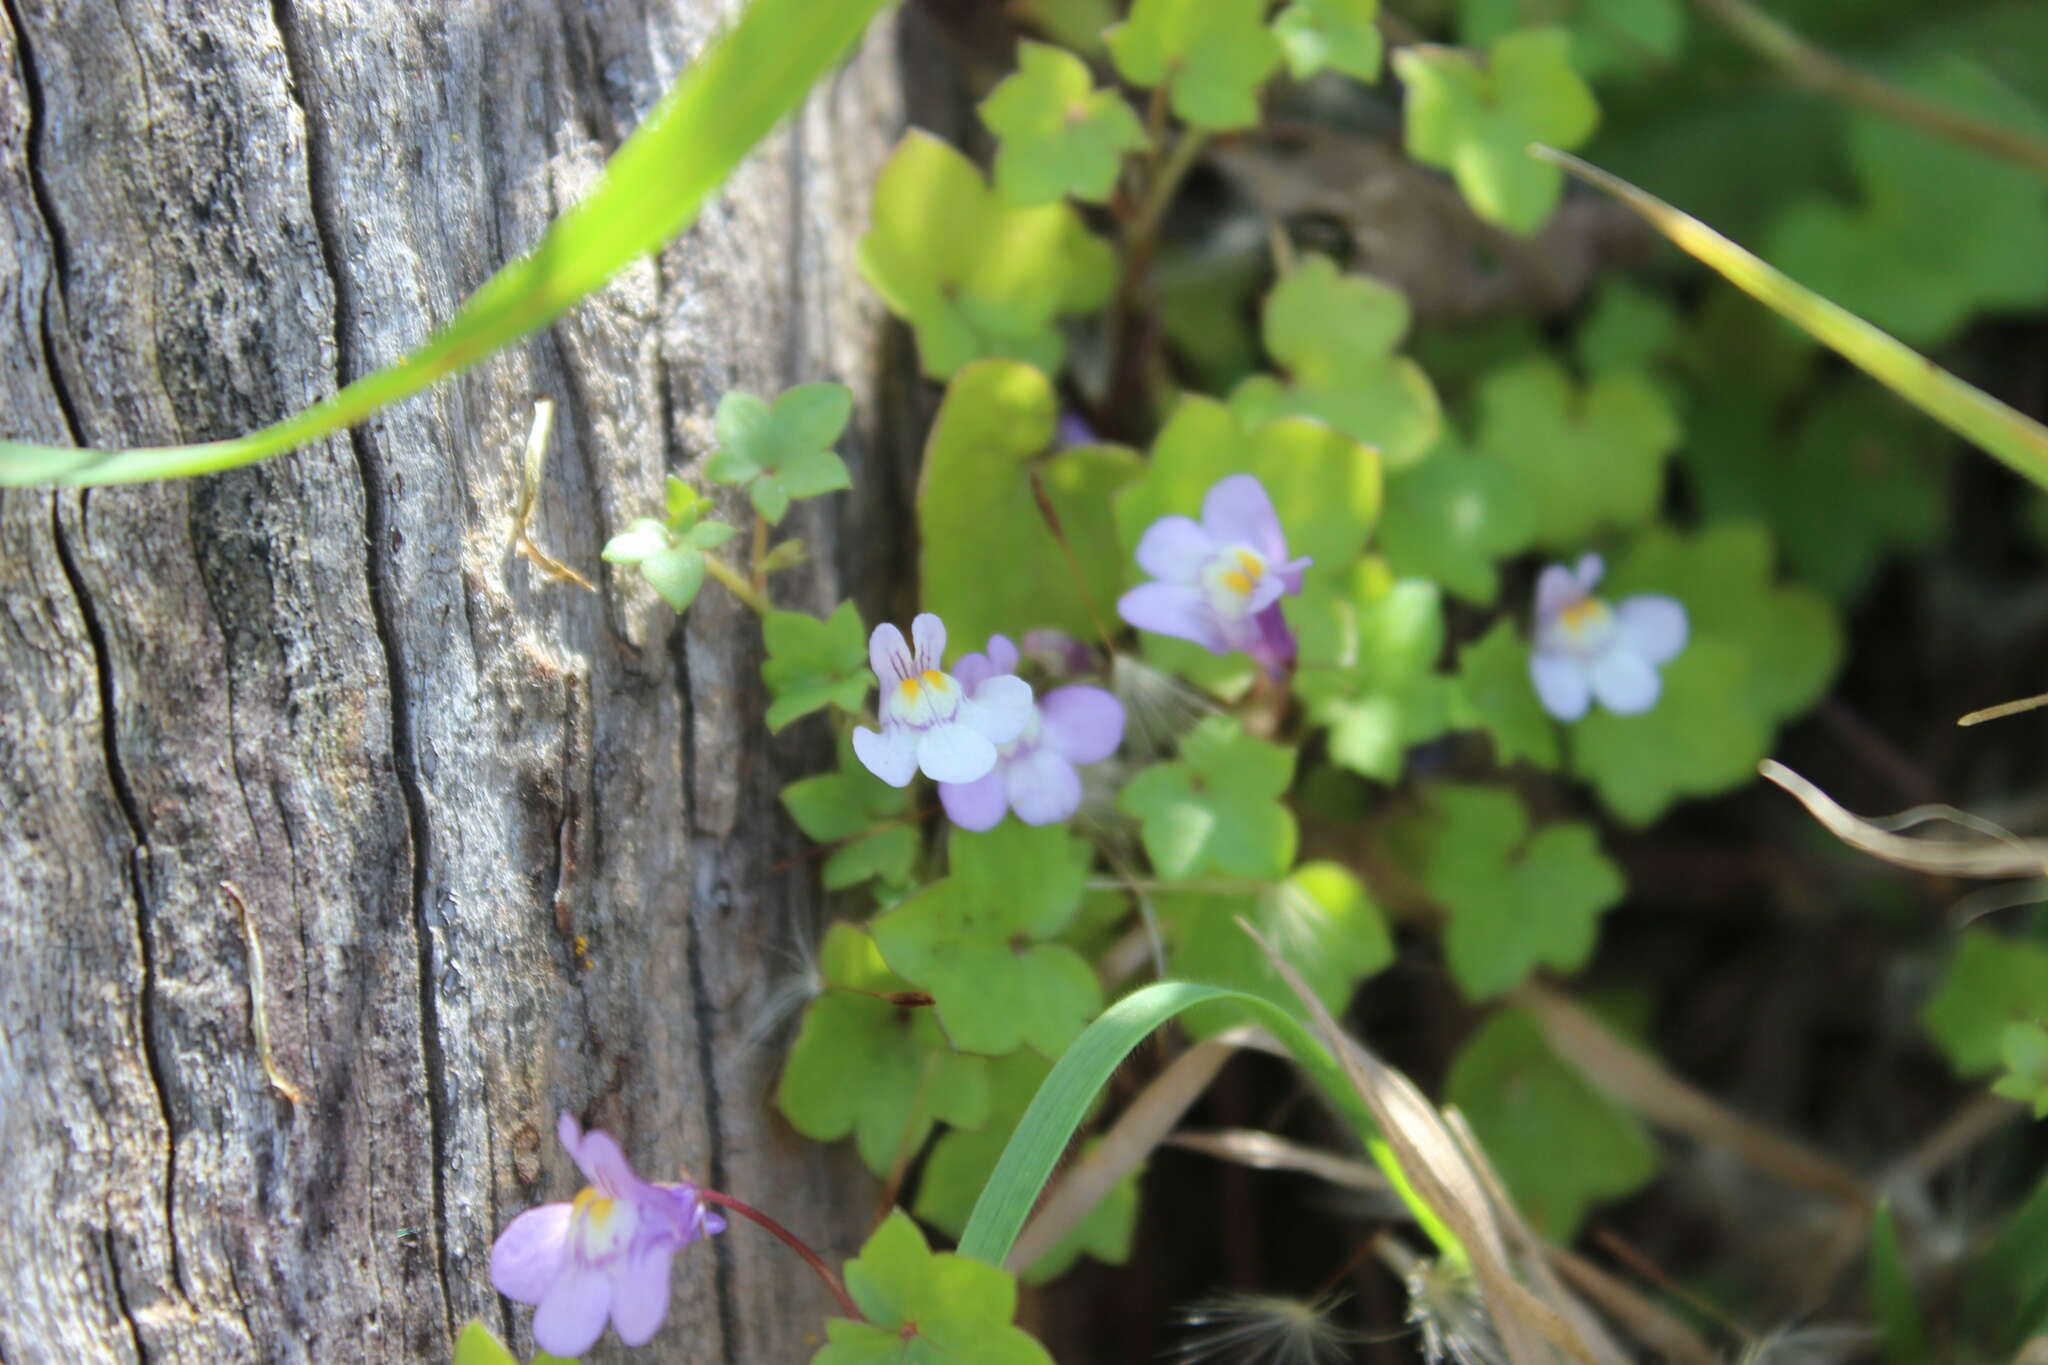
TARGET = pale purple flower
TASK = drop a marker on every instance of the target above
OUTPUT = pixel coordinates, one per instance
(604, 1254)
(1034, 773)
(1220, 580)
(928, 720)
(1587, 650)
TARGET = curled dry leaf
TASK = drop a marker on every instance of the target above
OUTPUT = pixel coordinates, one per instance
(1997, 854)
(1437, 1170)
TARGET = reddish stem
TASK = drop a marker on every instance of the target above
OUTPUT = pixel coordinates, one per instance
(793, 1242)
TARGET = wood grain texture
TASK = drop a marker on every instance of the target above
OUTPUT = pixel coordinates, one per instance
(432, 773)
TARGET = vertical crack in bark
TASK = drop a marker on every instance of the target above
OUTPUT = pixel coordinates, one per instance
(120, 1293)
(700, 995)
(60, 388)
(32, 88)
(117, 773)
(46, 211)
(793, 337)
(376, 534)
(138, 858)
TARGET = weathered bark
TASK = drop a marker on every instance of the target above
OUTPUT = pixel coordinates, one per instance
(508, 847)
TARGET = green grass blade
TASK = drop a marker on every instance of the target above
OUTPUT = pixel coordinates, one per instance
(1062, 1101)
(729, 99)
(1891, 1288)
(1976, 416)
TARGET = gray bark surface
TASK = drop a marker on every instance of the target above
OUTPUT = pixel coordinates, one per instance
(508, 847)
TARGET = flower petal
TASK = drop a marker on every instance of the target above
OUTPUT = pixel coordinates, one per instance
(1264, 593)
(1624, 681)
(890, 755)
(955, 752)
(999, 709)
(1002, 652)
(978, 805)
(1272, 641)
(603, 1162)
(1290, 572)
(1591, 569)
(928, 633)
(693, 1217)
(1556, 589)
(1560, 683)
(1082, 724)
(1043, 787)
(640, 1293)
(1655, 625)
(571, 1316)
(1238, 511)
(1174, 609)
(528, 1255)
(888, 655)
(972, 670)
(1174, 549)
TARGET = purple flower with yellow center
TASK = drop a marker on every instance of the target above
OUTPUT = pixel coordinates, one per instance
(1219, 580)
(1587, 650)
(929, 722)
(603, 1255)
(1035, 773)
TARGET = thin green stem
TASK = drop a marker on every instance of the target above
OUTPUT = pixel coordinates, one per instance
(1130, 332)
(1174, 169)
(1213, 885)
(1829, 74)
(736, 583)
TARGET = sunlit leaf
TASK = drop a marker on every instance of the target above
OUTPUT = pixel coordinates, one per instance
(1367, 668)
(864, 816)
(867, 1066)
(1212, 56)
(1342, 35)
(1592, 456)
(1493, 673)
(1217, 807)
(977, 940)
(972, 275)
(1453, 517)
(926, 1309)
(1476, 120)
(813, 664)
(1056, 134)
(1333, 336)
(988, 560)
(781, 451)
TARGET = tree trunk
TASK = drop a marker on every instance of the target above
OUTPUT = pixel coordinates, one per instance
(507, 847)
